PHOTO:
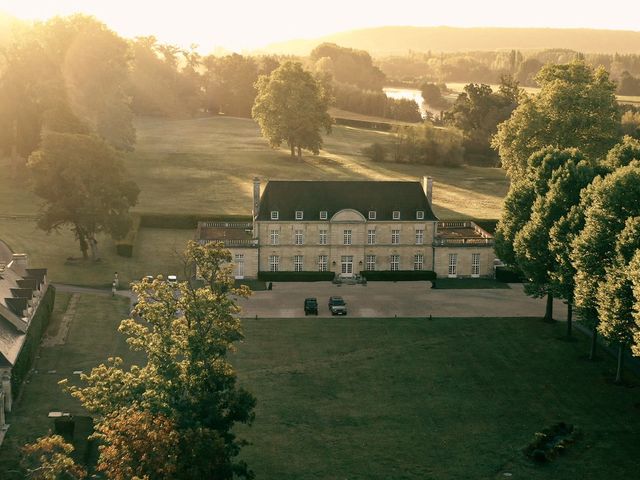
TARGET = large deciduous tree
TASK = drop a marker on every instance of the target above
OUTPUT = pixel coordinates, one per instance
(174, 416)
(291, 106)
(84, 185)
(576, 107)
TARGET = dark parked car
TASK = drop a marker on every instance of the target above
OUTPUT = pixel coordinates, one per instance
(337, 306)
(310, 306)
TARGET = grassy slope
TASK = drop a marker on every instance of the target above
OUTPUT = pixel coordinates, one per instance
(92, 338)
(446, 399)
(206, 166)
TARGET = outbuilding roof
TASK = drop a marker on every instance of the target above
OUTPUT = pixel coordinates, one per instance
(311, 197)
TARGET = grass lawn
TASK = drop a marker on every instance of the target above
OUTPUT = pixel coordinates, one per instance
(469, 283)
(92, 338)
(441, 399)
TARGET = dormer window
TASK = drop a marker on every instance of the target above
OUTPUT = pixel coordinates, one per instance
(299, 215)
(323, 215)
(275, 215)
(420, 215)
(372, 214)
(396, 214)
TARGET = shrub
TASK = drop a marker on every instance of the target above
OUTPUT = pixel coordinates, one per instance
(550, 442)
(398, 275)
(376, 152)
(296, 276)
(509, 275)
(124, 247)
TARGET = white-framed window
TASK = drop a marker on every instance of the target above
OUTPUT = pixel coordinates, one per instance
(274, 263)
(371, 236)
(370, 262)
(418, 261)
(323, 237)
(395, 262)
(396, 214)
(274, 236)
(299, 237)
(323, 215)
(298, 263)
(346, 238)
(475, 264)
(274, 215)
(420, 215)
(395, 237)
(346, 262)
(299, 215)
(419, 236)
(323, 263)
(372, 214)
(453, 264)
(238, 260)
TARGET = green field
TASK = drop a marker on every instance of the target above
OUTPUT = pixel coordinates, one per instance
(206, 166)
(385, 398)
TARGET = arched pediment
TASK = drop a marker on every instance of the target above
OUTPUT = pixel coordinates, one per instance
(348, 215)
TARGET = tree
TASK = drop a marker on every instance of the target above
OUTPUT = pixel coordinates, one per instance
(615, 295)
(230, 84)
(432, 95)
(83, 183)
(575, 108)
(346, 65)
(608, 203)
(48, 458)
(291, 106)
(634, 274)
(186, 393)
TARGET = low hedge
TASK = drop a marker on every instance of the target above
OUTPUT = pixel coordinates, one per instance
(398, 275)
(124, 247)
(296, 276)
(185, 221)
(37, 327)
(509, 275)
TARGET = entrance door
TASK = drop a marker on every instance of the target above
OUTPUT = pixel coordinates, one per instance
(347, 265)
(239, 261)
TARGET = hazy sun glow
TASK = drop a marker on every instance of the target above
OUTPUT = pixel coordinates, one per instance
(250, 24)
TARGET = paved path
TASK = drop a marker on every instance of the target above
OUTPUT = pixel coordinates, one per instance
(63, 287)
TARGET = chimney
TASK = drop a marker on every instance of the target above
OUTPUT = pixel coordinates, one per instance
(19, 264)
(427, 186)
(256, 204)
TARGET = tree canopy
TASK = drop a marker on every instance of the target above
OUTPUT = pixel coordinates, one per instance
(291, 106)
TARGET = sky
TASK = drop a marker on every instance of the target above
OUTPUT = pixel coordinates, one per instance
(250, 24)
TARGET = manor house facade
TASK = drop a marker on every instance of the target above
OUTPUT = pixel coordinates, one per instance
(349, 227)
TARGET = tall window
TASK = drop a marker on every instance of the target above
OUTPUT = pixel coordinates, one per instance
(299, 215)
(453, 264)
(395, 262)
(346, 237)
(370, 262)
(395, 237)
(347, 264)
(298, 263)
(274, 236)
(323, 263)
(238, 259)
(418, 261)
(323, 237)
(371, 237)
(419, 237)
(274, 263)
(475, 264)
(274, 215)
(299, 237)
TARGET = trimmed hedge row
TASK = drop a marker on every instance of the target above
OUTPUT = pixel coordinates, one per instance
(509, 275)
(398, 275)
(37, 327)
(185, 221)
(124, 247)
(296, 276)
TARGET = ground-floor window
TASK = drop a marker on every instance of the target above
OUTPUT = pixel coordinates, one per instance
(453, 264)
(323, 263)
(395, 262)
(370, 262)
(347, 264)
(298, 263)
(274, 263)
(475, 264)
(418, 261)
(238, 260)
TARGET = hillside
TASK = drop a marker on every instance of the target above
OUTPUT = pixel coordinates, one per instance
(399, 40)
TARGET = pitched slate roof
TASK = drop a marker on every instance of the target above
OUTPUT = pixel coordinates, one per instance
(312, 197)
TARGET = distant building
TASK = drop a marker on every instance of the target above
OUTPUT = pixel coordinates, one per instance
(21, 290)
(349, 227)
